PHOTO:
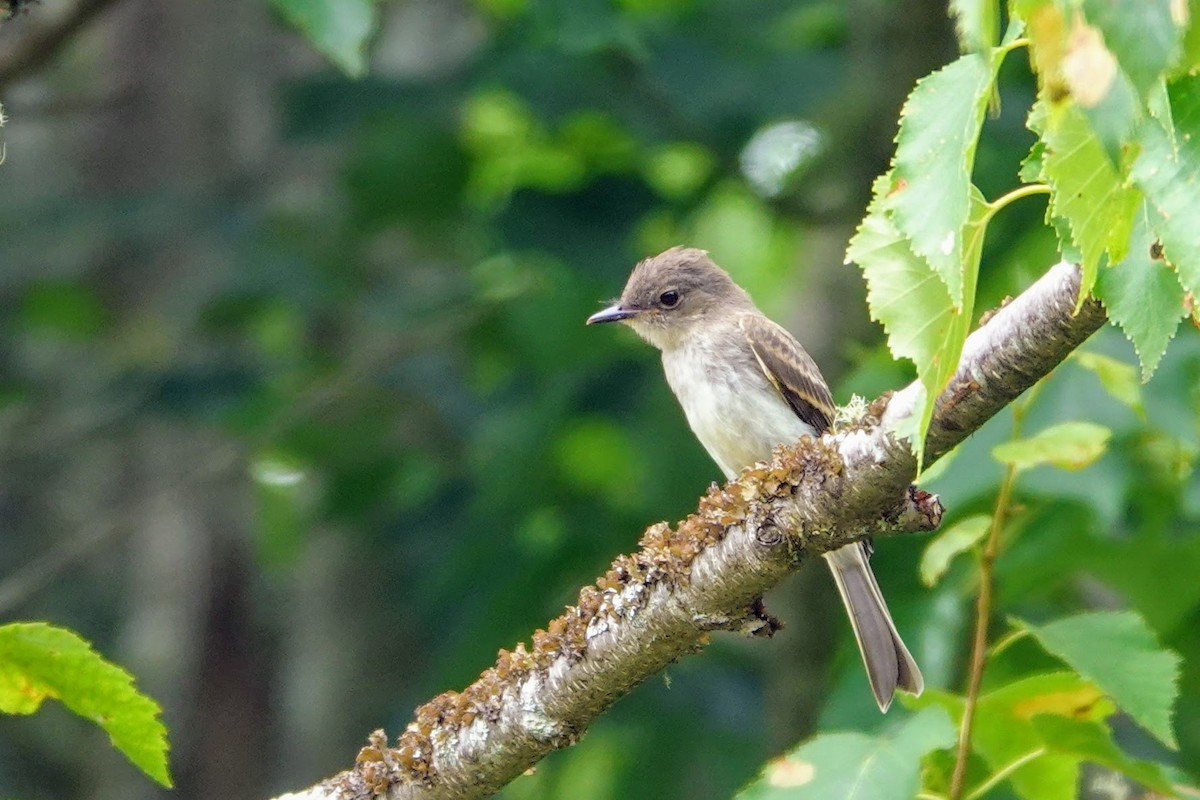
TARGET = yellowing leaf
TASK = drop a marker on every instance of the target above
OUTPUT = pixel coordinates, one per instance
(1075, 703)
(1005, 733)
(788, 773)
(1143, 35)
(1120, 654)
(1089, 68)
(1048, 42)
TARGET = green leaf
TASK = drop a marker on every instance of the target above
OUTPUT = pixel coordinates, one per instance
(1191, 39)
(929, 199)
(1168, 171)
(1120, 653)
(1069, 445)
(1143, 297)
(938, 468)
(1118, 378)
(1004, 733)
(1087, 190)
(1091, 741)
(1137, 567)
(958, 538)
(1031, 166)
(338, 29)
(1159, 106)
(910, 300)
(854, 766)
(1140, 33)
(976, 22)
(39, 661)
(953, 704)
(1063, 693)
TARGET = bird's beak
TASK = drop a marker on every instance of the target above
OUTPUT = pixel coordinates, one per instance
(614, 313)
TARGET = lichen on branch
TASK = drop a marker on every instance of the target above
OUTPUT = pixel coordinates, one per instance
(709, 571)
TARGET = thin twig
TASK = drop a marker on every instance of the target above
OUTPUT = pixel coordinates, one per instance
(983, 608)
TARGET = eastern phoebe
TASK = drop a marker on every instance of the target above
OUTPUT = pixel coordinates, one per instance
(746, 385)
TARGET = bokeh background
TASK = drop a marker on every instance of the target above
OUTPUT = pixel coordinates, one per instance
(299, 420)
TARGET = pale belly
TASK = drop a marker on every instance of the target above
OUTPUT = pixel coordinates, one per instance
(732, 408)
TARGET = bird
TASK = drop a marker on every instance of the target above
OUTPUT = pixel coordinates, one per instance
(746, 386)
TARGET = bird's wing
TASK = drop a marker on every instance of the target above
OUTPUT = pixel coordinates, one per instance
(790, 369)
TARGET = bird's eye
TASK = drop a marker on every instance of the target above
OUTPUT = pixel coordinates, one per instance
(669, 298)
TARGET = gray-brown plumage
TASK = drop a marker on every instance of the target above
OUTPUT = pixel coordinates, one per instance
(790, 369)
(746, 385)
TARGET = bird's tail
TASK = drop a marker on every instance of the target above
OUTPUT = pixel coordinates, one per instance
(889, 664)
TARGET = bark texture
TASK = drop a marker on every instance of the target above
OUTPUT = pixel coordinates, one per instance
(710, 571)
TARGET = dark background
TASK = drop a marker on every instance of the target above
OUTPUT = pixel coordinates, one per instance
(299, 420)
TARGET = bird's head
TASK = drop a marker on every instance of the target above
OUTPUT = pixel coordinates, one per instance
(670, 295)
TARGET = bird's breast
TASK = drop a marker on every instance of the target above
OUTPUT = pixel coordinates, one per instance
(731, 406)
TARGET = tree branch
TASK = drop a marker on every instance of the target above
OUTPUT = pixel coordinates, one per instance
(710, 571)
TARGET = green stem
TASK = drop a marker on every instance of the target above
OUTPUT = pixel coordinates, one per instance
(1002, 773)
(983, 605)
(1015, 43)
(1006, 641)
(1026, 190)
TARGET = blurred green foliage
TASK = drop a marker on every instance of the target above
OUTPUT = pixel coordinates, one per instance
(391, 338)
